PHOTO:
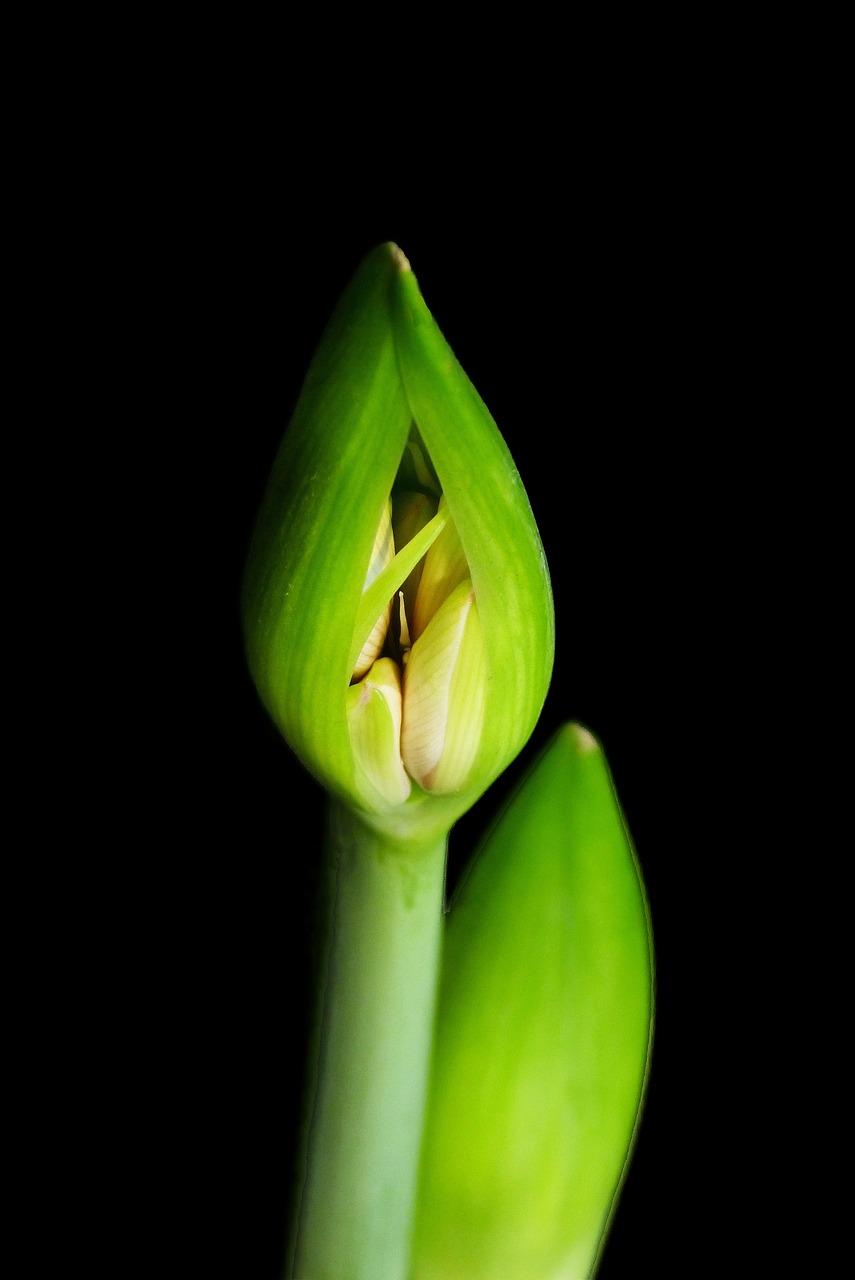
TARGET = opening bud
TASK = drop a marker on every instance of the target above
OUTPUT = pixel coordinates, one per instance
(444, 568)
(387, 427)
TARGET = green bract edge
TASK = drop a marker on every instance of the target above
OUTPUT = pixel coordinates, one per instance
(493, 516)
(316, 528)
(381, 365)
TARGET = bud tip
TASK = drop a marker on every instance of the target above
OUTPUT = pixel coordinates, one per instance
(399, 258)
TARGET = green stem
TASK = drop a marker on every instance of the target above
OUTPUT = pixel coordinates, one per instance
(355, 1209)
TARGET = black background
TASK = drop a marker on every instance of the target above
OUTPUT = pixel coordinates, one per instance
(596, 334)
(637, 255)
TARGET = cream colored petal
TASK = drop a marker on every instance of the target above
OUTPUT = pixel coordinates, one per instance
(382, 554)
(444, 688)
(444, 569)
(374, 720)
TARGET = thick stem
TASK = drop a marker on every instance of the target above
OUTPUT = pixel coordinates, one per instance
(355, 1209)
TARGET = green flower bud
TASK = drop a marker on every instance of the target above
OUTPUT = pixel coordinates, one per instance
(387, 411)
(410, 513)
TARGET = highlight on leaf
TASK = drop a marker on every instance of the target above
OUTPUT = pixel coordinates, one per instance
(542, 1035)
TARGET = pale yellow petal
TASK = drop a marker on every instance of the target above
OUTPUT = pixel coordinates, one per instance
(444, 688)
(374, 719)
(382, 553)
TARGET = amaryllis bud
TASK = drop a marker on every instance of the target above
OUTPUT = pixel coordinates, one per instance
(381, 554)
(386, 414)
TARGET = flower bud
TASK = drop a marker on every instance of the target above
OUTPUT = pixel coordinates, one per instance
(444, 687)
(385, 412)
(374, 720)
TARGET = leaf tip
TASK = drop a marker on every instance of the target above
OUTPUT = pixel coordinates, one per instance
(579, 739)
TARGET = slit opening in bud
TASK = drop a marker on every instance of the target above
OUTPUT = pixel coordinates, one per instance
(418, 628)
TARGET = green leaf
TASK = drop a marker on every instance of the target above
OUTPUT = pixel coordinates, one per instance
(543, 1034)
